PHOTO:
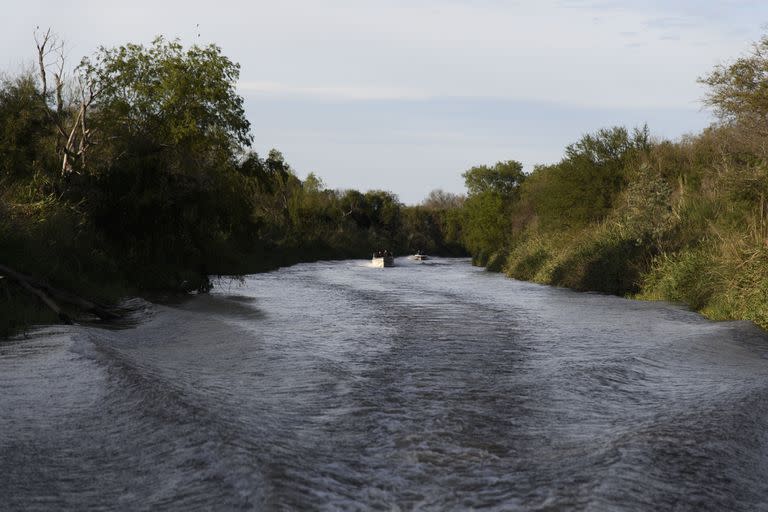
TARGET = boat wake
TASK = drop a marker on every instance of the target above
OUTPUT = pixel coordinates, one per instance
(434, 385)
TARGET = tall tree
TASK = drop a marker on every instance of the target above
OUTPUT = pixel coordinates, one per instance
(164, 98)
(491, 192)
(171, 133)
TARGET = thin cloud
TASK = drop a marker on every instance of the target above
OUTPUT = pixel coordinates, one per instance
(322, 78)
(670, 23)
(341, 93)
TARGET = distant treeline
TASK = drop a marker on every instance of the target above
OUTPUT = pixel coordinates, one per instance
(625, 214)
(133, 172)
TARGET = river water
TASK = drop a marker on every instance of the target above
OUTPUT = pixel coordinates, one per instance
(429, 386)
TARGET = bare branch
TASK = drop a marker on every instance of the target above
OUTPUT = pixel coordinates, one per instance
(66, 166)
(73, 133)
(42, 52)
(59, 80)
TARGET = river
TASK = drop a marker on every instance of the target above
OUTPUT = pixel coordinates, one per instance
(429, 386)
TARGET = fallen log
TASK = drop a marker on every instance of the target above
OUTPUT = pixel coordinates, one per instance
(47, 301)
(45, 292)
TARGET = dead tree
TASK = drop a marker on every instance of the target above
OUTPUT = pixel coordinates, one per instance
(68, 117)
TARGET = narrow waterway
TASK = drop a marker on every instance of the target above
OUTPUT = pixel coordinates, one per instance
(430, 386)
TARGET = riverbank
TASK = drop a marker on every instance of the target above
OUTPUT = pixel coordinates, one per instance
(723, 274)
(56, 244)
(20, 310)
(630, 214)
(162, 204)
(146, 180)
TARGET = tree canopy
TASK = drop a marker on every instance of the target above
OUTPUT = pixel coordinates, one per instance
(583, 186)
(739, 91)
(164, 95)
(503, 178)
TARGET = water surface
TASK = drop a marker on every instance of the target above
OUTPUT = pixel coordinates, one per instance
(431, 386)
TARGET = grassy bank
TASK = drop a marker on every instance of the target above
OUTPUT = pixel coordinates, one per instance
(689, 224)
(623, 213)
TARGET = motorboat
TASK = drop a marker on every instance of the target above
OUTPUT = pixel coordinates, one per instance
(383, 259)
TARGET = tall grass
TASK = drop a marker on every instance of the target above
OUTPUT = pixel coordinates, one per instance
(689, 226)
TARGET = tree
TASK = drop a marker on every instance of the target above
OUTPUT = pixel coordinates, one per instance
(167, 177)
(486, 223)
(66, 105)
(503, 178)
(24, 128)
(165, 99)
(383, 209)
(313, 183)
(491, 193)
(739, 91)
(440, 200)
(583, 187)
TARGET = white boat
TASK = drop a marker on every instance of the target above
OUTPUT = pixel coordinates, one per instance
(420, 257)
(383, 261)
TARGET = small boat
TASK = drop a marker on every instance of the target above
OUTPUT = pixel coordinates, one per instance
(383, 259)
(419, 257)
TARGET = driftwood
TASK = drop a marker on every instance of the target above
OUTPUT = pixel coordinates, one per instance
(48, 293)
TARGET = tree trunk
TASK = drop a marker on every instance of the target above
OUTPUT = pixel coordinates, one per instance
(45, 292)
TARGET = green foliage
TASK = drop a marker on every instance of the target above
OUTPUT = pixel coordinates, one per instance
(724, 277)
(682, 277)
(485, 222)
(383, 210)
(53, 241)
(166, 95)
(607, 262)
(491, 193)
(604, 258)
(583, 187)
(683, 221)
(439, 200)
(739, 91)
(503, 178)
(164, 181)
(170, 193)
(432, 231)
(24, 130)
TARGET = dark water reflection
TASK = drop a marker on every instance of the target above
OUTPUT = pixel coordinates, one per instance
(425, 386)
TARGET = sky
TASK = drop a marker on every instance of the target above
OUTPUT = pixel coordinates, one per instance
(406, 95)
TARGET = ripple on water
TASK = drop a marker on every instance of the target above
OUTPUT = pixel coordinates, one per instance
(426, 386)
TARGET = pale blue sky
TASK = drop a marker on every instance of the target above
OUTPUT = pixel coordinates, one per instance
(405, 95)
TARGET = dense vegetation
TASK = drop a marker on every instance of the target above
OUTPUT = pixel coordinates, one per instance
(136, 174)
(621, 213)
